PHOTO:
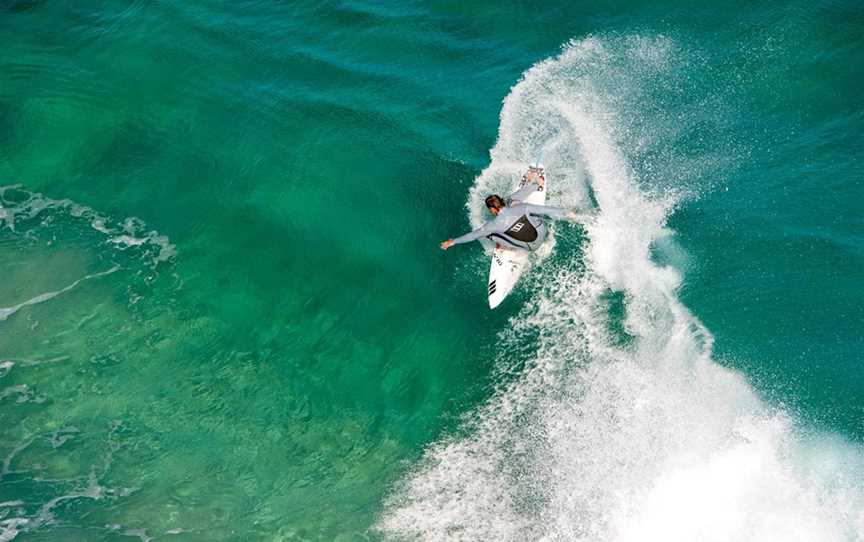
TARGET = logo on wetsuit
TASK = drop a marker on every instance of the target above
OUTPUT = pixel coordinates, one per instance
(522, 230)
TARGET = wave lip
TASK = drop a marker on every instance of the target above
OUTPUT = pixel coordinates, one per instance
(596, 439)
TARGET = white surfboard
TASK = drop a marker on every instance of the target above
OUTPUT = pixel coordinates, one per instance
(509, 264)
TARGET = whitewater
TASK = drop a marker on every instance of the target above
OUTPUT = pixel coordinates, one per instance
(620, 425)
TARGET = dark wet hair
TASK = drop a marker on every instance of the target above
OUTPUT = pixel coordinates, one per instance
(494, 201)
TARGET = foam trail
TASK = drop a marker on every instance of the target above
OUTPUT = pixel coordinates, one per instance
(47, 296)
(604, 437)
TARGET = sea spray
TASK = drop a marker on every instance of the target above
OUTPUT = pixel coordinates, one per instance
(592, 439)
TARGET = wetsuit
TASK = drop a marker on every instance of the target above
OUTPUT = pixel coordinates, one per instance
(516, 225)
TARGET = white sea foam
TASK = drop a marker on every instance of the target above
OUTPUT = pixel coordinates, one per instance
(35, 516)
(19, 206)
(592, 439)
(9, 528)
(6, 312)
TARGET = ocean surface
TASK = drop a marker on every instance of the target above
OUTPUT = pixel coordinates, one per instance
(224, 314)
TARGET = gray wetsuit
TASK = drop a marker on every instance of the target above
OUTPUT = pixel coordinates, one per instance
(516, 225)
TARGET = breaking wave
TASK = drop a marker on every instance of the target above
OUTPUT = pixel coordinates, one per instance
(620, 426)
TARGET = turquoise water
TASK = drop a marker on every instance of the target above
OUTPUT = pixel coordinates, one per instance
(224, 315)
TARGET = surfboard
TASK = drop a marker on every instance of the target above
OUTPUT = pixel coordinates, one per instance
(509, 264)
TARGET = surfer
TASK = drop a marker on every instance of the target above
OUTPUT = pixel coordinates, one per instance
(516, 224)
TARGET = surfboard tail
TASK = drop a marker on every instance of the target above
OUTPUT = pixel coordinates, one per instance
(495, 297)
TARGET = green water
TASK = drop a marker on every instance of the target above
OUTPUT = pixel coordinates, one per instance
(255, 336)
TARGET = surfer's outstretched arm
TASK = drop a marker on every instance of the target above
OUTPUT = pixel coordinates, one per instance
(474, 235)
(486, 229)
(544, 210)
(556, 213)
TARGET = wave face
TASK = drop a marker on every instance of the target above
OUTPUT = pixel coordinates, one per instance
(619, 426)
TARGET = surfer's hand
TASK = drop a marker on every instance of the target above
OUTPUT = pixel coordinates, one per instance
(447, 244)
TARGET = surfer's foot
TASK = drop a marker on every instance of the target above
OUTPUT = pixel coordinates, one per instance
(534, 176)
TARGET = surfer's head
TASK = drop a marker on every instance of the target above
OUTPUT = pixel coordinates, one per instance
(494, 203)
